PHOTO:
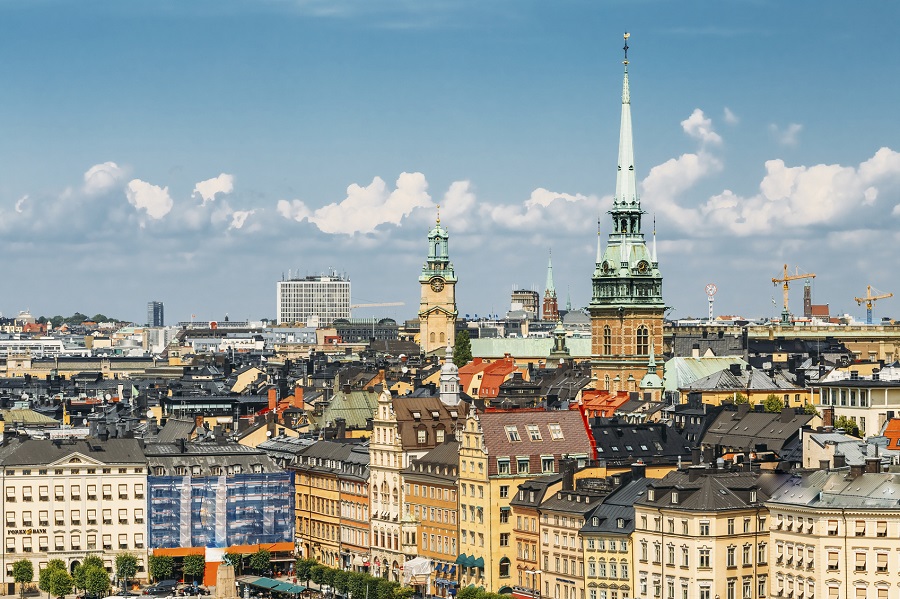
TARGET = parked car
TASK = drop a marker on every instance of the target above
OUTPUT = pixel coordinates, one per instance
(161, 588)
(190, 590)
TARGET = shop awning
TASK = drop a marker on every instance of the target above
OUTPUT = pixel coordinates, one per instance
(463, 560)
(477, 563)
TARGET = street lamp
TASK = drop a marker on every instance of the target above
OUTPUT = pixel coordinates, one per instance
(535, 584)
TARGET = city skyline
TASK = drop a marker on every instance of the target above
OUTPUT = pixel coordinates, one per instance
(197, 154)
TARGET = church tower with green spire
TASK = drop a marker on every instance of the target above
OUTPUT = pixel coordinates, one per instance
(626, 304)
(550, 310)
(437, 306)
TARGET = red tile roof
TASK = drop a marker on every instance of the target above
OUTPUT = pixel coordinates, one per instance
(892, 432)
(572, 437)
(601, 403)
(494, 376)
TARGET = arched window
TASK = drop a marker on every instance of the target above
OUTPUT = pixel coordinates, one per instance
(396, 496)
(592, 567)
(613, 569)
(643, 341)
(443, 338)
(431, 337)
(504, 567)
(607, 342)
(606, 380)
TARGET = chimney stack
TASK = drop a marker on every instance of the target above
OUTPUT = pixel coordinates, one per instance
(873, 465)
(839, 460)
(567, 469)
(823, 465)
(638, 470)
(856, 470)
(695, 456)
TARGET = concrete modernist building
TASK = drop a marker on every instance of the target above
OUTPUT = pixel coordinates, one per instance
(155, 314)
(626, 305)
(834, 534)
(325, 298)
(68, 499)
(437, 307)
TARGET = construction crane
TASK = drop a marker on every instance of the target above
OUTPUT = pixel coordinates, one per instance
(378, 305)
(785, 279)
(870, 300)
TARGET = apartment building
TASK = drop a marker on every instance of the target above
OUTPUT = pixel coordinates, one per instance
(702, 534)
(834, 534)
(430, 512)
(67, 499)
(525, 507)
(353, 479)
(502, 449)
(318, 501)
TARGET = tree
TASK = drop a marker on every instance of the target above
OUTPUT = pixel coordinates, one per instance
(261, 561)
(810, 409)
(303, 569)
(194, 566)
(848, 425)
(404, 592)
(339, 581)
(96, 580)
(161, 567)
(126, 568)
(773, 403)
(386, 589)
(462, 351)
(45, 575)
(468, 593)
(60, 583)
(317, 574)
(740, 398)
(22, 571)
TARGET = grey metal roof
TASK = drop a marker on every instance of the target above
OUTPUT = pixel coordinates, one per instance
(835, 489)
(43, 452)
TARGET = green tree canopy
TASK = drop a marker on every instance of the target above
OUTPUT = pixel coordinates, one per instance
(44, 576)
(194, 566)
(740, 398)
(23, 572)
(773, 403)
(96, 580)
(339, 581)
(261, 561)
(462, 351)
(848, 425)
(317, 574)
(61, 583)
(404, 593)
(126, 568)
(161, 567)
(810, 409)
(303, 569)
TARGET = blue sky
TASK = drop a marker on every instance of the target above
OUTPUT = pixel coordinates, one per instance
(193, 154)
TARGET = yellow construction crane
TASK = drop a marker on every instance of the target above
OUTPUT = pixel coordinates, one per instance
(870, 300)
(785, 279)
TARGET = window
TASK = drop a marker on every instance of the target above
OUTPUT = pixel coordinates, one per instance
(555, 431)
(504, 567)
(860, 528)
(607, 340)
(547, 464)
(881, 528)
(92, 516)
(504, 491)
(704, 557)
(860, 562)
(832, 528)
(731, 526)
(421, 436)
(534, 432)
(833, 560)
(522, 465)
(704, 528)
(881, 562)
(745, 555)
(642, 341)
(439, 436)
(729, 559)
(502, 465)
(512, 432)
(504, 539)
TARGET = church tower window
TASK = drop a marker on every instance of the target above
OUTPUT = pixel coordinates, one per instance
(643, 341)
(607, 340)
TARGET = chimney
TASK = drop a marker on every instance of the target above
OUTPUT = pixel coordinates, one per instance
(787, 414)
(735, 369)
(873, 465)
(567, 469)
(695, 456)
(856, 470)
(840, 460)
(708, 455)
(695, 350)
(827, 415)
(273, 399)
(182, 445)
(694, 473)
(297, 401)
(638, 470)
(341, 426)
(823, 465)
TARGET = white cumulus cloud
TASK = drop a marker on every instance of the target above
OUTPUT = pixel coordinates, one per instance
(364, 208)
(208, 189)
(153, 199)
(239, 217)
(730, 117)
(700, 127)
(103, 177)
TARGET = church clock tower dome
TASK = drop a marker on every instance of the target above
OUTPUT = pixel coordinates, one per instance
(437, 306)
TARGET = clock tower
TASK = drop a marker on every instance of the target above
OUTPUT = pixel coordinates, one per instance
(626, 306)
(437, 307)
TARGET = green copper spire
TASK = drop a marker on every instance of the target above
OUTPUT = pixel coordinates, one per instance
(549, 288)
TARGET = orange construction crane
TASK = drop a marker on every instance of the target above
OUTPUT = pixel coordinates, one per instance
(870, 300)
(785, 279)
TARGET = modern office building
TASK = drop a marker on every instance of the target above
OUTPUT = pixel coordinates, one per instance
(155, 314)
(320, 298)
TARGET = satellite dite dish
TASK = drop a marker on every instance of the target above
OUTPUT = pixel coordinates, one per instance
(107, 397)
(149, 413)
(268, 433)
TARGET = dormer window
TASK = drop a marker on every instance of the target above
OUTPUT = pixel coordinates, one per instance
(595, 521)
(620, 522)
(651, 494)
(436, 415)
(512, 432)
(753, 496)
(417, 415)
(674, 496)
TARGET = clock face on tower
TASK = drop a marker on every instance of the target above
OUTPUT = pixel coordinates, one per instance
(437, 284)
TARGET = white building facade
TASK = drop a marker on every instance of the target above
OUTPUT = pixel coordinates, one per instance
(326, 298)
